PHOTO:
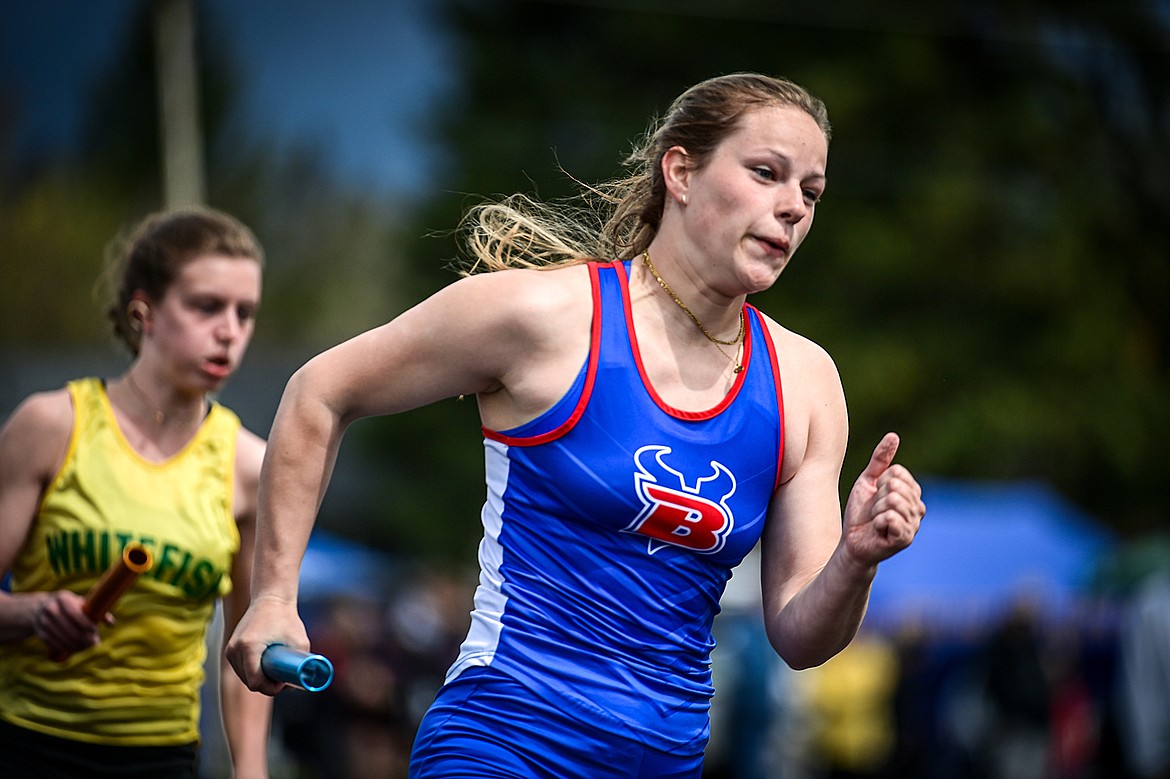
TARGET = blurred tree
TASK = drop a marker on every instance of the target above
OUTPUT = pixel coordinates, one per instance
(329, 274)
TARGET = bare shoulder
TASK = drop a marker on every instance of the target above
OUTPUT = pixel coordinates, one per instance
(37, 433)
(816, 424)
(535, 343)
(529, 316)
(532, 293)
(249, 451)
(33, 444)
(45, 409)
(249, 455)
(800, 354)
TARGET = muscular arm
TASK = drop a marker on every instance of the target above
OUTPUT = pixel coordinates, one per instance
(459, 341)
(818, 566)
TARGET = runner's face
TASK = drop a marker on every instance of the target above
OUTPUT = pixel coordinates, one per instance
(754, 201)
(206, 319)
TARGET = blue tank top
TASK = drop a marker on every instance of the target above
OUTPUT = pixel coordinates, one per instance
(611, 525)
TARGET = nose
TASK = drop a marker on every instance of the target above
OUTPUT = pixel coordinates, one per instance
(229, 327)
(791, 205)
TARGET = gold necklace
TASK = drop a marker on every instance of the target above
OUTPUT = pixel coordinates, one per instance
(160, 417)
(737, 342)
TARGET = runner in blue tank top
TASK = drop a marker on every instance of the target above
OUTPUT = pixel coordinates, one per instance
(645, 427)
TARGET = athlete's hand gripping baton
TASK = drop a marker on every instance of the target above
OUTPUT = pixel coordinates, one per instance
(136, 560)
(302, 669)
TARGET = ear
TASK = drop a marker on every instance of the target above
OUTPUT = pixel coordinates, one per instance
(676, 173)
(138, 312)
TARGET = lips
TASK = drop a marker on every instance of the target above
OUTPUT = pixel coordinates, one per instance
(779, 246)
(219, 367)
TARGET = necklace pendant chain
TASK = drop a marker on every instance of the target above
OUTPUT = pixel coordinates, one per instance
(719, 343)
(160, 417)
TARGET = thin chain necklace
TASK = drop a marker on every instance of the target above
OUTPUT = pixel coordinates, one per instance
(737, 342)
(160, 417)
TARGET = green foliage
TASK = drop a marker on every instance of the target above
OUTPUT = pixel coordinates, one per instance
(54, 233)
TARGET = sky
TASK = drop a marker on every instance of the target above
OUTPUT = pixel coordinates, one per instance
(354, 76)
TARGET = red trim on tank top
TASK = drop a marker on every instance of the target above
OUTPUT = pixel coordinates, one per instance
(775, 361)
(586, 391)
(691, 416)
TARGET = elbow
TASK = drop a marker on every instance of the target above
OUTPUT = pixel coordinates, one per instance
(789, 651)
(311, 393)
(804, 659)
(309, 380)
(800, 652)
(798, 663)
(797, 659)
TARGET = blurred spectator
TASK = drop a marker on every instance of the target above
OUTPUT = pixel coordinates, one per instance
(1144, 682)
(915, 703)
(963, 709)
(1019, 698)
(851, 698)
(1076, 719)
(427, 621)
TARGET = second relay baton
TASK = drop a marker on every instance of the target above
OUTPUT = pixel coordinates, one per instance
(306, 670)
(119, 577)
(135, 561)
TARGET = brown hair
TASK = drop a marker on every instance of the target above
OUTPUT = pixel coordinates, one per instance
(619, 218)
(147, 258)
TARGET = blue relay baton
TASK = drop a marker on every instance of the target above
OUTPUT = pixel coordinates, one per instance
(306, 670)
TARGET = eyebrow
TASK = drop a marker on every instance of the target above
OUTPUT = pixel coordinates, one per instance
(787, 160)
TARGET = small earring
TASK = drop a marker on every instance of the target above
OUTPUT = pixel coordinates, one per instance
(684, 199)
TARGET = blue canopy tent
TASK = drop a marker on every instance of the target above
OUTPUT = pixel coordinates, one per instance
(982, 548)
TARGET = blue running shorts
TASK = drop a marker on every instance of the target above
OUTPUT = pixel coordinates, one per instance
(489, 726)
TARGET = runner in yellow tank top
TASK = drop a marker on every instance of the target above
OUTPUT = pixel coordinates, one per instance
(143, 458)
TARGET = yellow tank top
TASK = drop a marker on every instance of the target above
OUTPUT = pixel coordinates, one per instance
(141, 684)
